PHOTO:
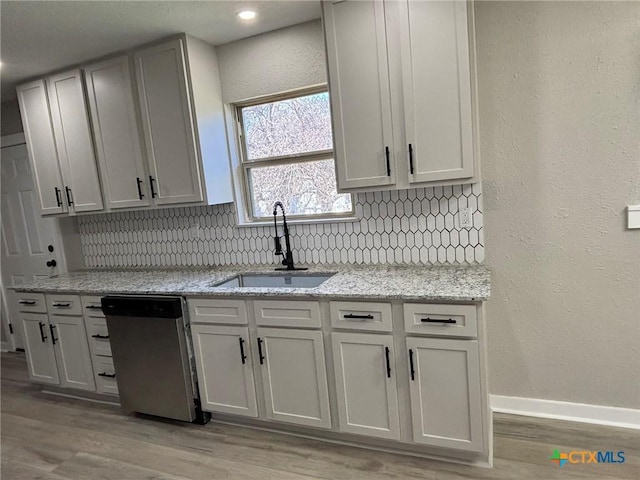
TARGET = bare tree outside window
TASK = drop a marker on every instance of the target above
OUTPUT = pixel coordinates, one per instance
(288, 156)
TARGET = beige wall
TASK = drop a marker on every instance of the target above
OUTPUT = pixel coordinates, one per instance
(559, 90)
(10, 121)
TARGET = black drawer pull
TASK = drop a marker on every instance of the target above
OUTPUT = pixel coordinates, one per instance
(93, 307)
(140, 194)
(27, 302)
(64, 305)
(69, 196)
(243, 357)
(58, 199)
(358, 317)
(153, 191)
(411, 367)
(43, 337)
(260, 351)
(411, 159)
(97, 335)
(386, 354)
(436, 320)
(53, 337)
(108, 375)
(386, 152)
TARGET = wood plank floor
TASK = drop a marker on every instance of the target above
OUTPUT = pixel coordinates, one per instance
(56, 438)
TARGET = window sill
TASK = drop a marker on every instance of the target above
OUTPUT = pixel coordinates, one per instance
(296, 221)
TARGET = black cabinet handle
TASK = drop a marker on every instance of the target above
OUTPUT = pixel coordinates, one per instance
(386, 152)
(93, 307)
(65, 305)
(358, 317)
(58, 198)
(261, 356)
(108, 375)
(27, 302)
(140, 194)
(43, 337)
(69, 196)
(53, 337)
(411, 159)
(411, 367)
(153, 191)
(97, 335)
(437, 320)
(386, 355)
(243, 357)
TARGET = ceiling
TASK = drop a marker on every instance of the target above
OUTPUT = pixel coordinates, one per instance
(38, 37)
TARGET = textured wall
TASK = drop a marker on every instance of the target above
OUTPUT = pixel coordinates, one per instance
(560, 133)
(273, 62)
(417, 226)
(10, 121)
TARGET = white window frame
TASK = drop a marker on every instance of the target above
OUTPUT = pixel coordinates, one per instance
(242, 167)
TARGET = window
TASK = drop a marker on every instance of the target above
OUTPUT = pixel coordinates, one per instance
(287, 155)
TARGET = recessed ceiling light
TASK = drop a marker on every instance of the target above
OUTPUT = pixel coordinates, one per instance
(246, 14)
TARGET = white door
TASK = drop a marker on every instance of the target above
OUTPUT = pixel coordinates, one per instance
(38, 131)
(225, 370)
(294, 376)
(168, 124)
(26, 236)
(366, 384)
(360, 93)
(117, 133)
(69, 338)
(74, 142)
(41, 358)
(445, 393)
(437, 90)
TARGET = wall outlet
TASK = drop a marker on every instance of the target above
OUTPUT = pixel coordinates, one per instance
(466, 218)
(633, 216)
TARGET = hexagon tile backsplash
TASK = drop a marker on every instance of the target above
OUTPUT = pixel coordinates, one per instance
(417, 226)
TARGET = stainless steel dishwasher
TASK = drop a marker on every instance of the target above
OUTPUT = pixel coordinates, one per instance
(152, 357)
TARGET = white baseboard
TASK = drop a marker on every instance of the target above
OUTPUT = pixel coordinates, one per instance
(573, 412)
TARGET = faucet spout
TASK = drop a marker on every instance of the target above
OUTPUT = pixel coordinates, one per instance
(288, 254)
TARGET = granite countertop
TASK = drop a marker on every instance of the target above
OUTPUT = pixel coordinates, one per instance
(426, 283)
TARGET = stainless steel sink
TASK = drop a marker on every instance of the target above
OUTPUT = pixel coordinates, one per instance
(275, 280)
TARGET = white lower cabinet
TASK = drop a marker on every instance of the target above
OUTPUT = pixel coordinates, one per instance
(225, 369)
(366, 384)
(41, 358)
(446, 399)
(294, 376)
(69, 338)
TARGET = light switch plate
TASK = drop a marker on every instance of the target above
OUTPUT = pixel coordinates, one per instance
(633, 216)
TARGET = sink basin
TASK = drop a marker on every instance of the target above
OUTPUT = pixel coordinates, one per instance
(276, 280)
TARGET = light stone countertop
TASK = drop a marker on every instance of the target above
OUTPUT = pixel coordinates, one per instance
(426, 283)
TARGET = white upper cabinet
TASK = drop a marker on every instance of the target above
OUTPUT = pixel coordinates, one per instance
(360, 93)
(117, 133)
(169, 132)
(74, 142)
(399, 78)
(41, 146)
(437, 90)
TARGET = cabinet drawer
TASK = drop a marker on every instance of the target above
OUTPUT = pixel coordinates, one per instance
(105, 375)
(64, 304)
(361, 316)
(448, 320)
(92, 306)
(31, 302)
(204, 310)
(98, 336)
(287, 313)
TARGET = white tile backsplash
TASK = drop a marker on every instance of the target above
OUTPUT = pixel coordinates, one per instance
(417, 226)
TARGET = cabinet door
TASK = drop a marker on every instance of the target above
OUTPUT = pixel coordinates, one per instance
(41, 145)
(41, 358)
(355, 35)
(168, 124)
(225, 369)
(294, 376)
(117, 133)
(366, 384)
(74, 142)
(69, 337)
(445, 393)
(437, 90)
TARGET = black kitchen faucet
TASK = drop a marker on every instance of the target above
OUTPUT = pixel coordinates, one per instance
(287, 257)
